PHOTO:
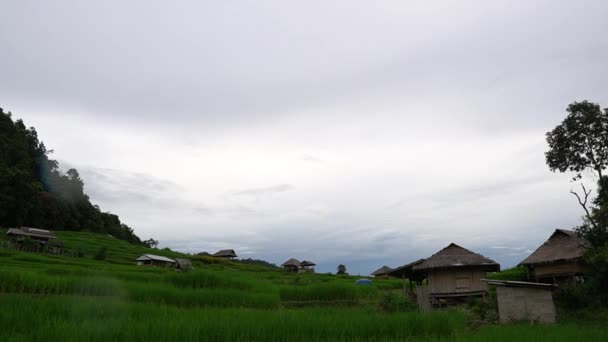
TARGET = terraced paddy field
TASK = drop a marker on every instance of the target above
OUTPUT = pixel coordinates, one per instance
(63, 298)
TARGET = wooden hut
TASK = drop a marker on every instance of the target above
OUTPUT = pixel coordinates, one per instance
(38, 235)
(291, 265)
(455, 272)
(154, 260)
(382, 272)
(225, 253)
(559, 258)
(307, 266)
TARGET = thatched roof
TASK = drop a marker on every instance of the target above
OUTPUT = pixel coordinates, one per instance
(307, 263)
(382, 271)
(562, 245)
(154, 257)
(407, 271)
(225, 253)
(456, 256)
(291, 262)
(33, 232)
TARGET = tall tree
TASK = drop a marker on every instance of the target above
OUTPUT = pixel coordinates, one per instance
(580, 142)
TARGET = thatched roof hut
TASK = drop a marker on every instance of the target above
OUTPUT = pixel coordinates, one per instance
(560, 256)
(307, 263)
(455, 271)
(454, 256)
(407, 271)
(225, 253)
(382, 272)
(291, 265)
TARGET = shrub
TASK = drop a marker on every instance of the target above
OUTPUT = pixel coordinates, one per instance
(101, 253)
(394, 302)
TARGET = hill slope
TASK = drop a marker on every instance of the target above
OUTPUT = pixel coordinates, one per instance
(34, 192)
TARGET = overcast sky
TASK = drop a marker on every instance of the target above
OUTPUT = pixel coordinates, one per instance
(366, 133)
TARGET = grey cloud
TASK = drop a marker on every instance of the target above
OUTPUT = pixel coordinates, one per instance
(265, 191)
(191, 62)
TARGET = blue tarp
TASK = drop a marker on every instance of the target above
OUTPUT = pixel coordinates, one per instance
(363, 282)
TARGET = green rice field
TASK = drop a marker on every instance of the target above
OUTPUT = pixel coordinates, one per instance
(60, 298)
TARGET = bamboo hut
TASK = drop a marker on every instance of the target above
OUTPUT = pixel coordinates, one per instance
(559, 258)
(307, 266)
(225, 253)
(382, 272)
(406, 272)
(291, 265)
(154, 260)
(455, 272)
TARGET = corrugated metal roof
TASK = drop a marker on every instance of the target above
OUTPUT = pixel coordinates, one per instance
(154, 257)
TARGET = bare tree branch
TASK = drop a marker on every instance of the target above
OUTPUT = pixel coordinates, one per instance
(583, 203)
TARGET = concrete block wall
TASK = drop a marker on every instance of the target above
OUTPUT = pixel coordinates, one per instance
(525, 304)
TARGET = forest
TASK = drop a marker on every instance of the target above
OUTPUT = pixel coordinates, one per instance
(36, 192)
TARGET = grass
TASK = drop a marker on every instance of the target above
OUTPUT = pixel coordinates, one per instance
(59, 298)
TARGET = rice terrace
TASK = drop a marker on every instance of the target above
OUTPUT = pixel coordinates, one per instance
(303, 171)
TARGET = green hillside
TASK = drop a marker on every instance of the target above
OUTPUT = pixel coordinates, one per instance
(61, 298)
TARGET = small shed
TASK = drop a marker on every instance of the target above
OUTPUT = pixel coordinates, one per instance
(559, 258)
(307, 266)
(183, 265)
(291, 265)
(524, 301)
(36, 234)
(382, 272)
(455, 272)
(225, 253)
(154, 260)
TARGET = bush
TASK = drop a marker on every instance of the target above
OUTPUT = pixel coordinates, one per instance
(101, 253)
(395, 302)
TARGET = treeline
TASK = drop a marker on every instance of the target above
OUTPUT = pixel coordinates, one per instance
(34, 192)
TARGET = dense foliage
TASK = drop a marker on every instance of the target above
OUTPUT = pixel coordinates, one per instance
(580, 143)
(34, 192)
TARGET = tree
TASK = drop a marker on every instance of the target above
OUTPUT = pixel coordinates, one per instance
(341, 269)
(580, 142)
(151, 243)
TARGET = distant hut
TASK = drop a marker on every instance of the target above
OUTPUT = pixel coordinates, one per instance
(559, 258)
(382, 272)
(38, 235)
(455, 272)
(44, 240)
(307, 266)
(183, 265)
(154, 260)
(226, 254)
(291, 265)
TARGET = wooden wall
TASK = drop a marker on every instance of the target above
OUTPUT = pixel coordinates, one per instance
(560, 268)
(456, 280)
